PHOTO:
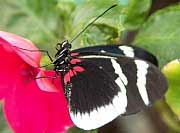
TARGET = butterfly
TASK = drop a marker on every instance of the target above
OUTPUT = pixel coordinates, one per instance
(103, 82)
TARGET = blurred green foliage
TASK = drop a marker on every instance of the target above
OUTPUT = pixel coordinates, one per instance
(172, 72)
(135, 13)
(160, 34)
(46, 22)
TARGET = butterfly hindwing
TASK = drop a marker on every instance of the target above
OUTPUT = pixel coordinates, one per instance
(103, 87)
(91, 97)
(119, 50)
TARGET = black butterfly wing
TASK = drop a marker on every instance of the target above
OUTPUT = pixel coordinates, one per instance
(119, 50)
(103, 87)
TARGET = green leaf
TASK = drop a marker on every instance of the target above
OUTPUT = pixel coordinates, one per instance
(51, 21)
(102, 34)
(172, 72)
(128, 13)
(37, 20)
(100, 31)
(135, 13)
(161, 34)
(124, 2)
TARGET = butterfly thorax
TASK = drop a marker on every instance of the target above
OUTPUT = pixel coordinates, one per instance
(62, 57)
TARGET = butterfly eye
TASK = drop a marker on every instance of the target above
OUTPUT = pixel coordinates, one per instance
(58, 46)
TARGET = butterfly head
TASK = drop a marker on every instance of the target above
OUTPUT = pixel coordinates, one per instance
(64, 45)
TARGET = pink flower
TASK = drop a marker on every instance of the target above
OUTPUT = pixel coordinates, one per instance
(30, 106)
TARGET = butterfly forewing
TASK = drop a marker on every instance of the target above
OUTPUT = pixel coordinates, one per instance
(119, 50)
(103, 87)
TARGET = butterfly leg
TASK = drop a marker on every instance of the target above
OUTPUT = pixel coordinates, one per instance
(52, 77)
(40, 50)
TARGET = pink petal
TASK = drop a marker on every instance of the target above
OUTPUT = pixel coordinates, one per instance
(30, 110)
(27, 108)
(58, 106)
(9, 64)
(25, 111)
(44, 83)
(9, 40)
(59, 114)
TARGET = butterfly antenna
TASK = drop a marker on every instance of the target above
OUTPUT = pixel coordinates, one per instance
(92, 22)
